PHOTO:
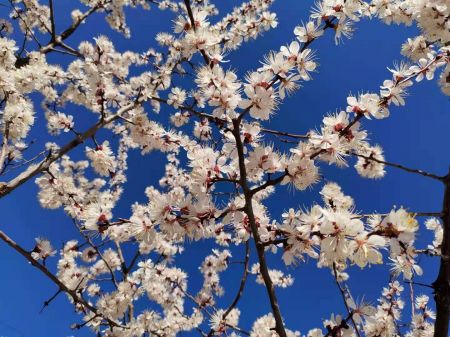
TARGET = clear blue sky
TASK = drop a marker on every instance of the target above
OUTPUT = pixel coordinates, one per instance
(415, 135)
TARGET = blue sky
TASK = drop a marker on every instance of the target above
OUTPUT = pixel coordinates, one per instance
(415, 135)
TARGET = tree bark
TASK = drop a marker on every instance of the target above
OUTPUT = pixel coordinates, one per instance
(442, 284)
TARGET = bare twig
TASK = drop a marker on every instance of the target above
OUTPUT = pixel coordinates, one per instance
(47, 303)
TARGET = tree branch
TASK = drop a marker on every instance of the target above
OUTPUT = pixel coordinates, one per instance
(286, 134)
(241, 287)
(269, 182)
(442, 284)
(264, 270)
(44, 164)
(399, 166)
(342, 133)
(47, 303)
(97, 250)
(73, 294)
(52, 20)
(344, 298)
(192, 19)
(4, 148)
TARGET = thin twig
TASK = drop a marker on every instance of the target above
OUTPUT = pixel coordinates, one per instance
(402, 167)
(43, 165)
(73, 294)
(241, 287)
(47, 303)
(286, 134)
(344, 297)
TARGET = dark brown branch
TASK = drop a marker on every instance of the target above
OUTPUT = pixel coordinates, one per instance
(52, 20)
(402, 167)
(442, 284)
(286, 134)
(70, 30)
(47, 303)
(220, 179)
(192, 19)
(269, 182)
(336, 331)
(132, 263)
(344, 298)
(72, 293)
(201, 114)
(241, 287)
(56, 40)
(44, 164)
(263, 268)
(328, 24)
(78, 326)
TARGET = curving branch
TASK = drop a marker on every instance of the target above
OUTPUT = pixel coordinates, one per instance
(72, 293)
(241, 287)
